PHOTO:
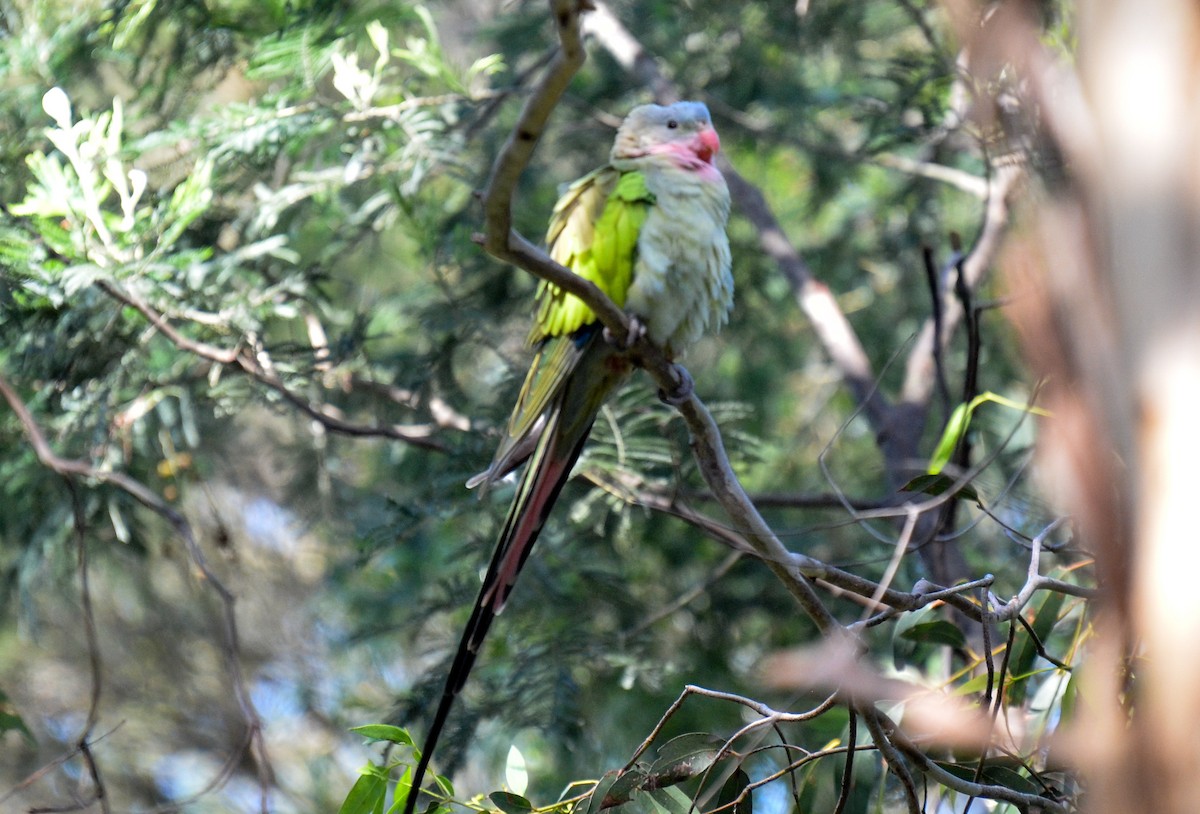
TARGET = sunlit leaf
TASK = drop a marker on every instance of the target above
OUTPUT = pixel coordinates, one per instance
(515, 772)
(384, 732)
(366, 795)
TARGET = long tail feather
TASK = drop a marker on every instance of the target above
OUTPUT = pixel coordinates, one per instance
(547, 471)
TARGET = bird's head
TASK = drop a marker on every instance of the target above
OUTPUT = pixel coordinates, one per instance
(682, 132)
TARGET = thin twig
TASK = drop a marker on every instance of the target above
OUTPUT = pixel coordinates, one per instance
(79, 524)
(933, 280)
(848, 772)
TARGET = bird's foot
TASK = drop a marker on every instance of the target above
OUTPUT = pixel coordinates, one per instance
(637, 330)
(683, 389)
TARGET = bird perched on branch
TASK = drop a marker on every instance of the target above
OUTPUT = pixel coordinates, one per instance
(648, 228)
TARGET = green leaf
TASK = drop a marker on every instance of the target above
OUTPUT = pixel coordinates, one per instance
(960, 420)
(670, 800)
(956, 428)
(976, 684)
(403, 789)
(1044, 620)
(737, 783)
(696, 748)
(366, 795)
(516, 773)
(627, 784)
(1070, 697)
(937, 631)
(510, 803)
(595, 800)
(384, 732)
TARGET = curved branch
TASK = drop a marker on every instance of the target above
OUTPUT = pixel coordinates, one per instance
(499, 238)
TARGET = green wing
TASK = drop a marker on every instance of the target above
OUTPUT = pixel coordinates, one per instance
(594, 232)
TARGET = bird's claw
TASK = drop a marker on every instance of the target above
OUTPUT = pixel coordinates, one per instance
(637, 330)
(684, 387)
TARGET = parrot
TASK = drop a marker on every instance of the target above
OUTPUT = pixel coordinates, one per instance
(648, 229)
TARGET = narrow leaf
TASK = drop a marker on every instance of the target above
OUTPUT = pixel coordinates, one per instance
(516, 774)
(384, 732)
(940, 484)
(670, 800)
(956, 428)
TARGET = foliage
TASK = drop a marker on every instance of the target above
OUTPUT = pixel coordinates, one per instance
(236, 267)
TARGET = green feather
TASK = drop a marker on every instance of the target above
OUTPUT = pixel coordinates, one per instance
(594, 232)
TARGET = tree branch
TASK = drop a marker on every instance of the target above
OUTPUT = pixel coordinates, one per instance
(256, 365)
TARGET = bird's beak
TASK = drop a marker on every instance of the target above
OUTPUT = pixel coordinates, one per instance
(709, 144)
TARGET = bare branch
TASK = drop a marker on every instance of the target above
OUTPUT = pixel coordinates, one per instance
(965, 181)
(499, 238)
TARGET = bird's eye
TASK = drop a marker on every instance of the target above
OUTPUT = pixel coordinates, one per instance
(672, 124)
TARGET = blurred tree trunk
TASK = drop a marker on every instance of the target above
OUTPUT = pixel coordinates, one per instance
(1107, 270)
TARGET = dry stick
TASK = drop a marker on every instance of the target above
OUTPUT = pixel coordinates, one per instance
(687, 597)
(790, 771)
(896, 601)
(989, 661)
(1004, 183)
(828, 576)
(1022, 800)
(913, 514)
(83, 744)
(142, 494)
(769, 717)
